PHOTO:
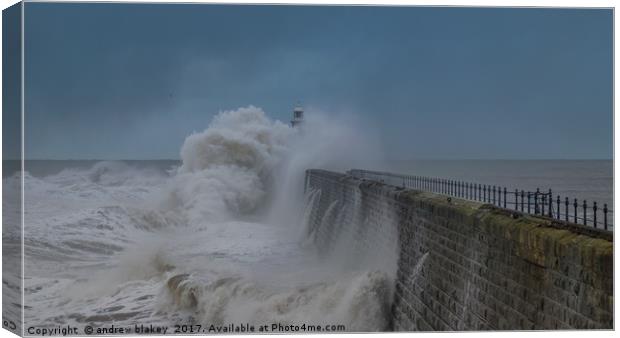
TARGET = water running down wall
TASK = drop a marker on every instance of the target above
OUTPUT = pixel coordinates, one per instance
(467, 266)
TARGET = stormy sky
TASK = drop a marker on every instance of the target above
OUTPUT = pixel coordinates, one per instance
(131, 81)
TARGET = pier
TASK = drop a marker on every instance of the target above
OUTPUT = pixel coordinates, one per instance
(466, 259)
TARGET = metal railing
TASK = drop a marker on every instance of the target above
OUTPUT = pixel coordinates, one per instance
(537, 202)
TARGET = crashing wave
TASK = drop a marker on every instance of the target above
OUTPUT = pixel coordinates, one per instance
(359, 301)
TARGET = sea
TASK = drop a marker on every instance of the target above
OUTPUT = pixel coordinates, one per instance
(590, 180)
(218, 237)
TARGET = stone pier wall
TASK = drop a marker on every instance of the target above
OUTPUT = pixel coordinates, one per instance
(468, 266)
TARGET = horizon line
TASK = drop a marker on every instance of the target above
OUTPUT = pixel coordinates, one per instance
(389, 160)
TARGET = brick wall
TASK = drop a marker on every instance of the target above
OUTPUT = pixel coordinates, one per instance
(462, 265)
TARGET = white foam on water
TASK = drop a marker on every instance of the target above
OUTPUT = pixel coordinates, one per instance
(214, 241)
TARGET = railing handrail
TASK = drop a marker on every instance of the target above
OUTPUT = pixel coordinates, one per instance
(537, 202)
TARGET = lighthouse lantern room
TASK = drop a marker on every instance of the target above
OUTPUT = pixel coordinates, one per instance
(298, 116)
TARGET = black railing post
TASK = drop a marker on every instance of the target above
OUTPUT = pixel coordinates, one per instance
(494, 200)
(566, 201)
(489, 194)
(585, 207)
(551, 204)
(479, 192)
(605, 215)
(575, 215)
(504, 197)
(558, 213)
(522, 197)
(536, 201)
(516, 199)
(594, 210)
(528, 202)
(499, 196)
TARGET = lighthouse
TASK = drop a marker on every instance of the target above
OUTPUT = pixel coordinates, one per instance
(298, 116)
